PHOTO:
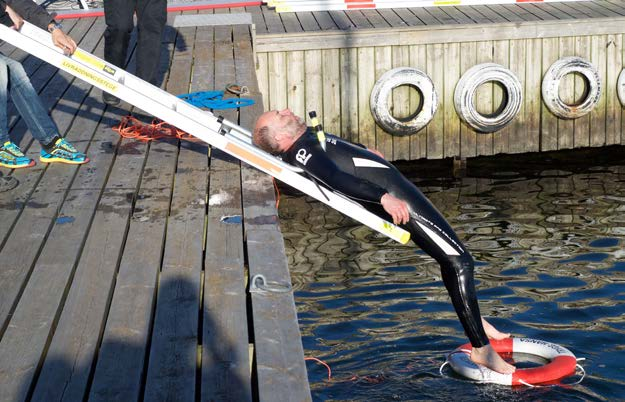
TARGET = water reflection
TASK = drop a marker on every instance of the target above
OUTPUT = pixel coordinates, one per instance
(548, 246)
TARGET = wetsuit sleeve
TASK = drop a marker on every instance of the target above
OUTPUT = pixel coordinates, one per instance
(315, 161)
(28, 10)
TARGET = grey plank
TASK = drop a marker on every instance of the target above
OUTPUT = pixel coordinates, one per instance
(391, 17)
(120, 368)
(325, 21)
(557, 13)
(341, 20)
(409, 18)
(272, 20)
(308, 21)
(616, 8)
(171, 373)
(506, 13)
(290, 22)
(423, 13)
(595, 10)
(475, 15)
(523, 12)
(358, 19)
(566, 8)
(538, 11)
(489, 13)
(439, 14)
(375, 19)
(258, 19)
(457, 14)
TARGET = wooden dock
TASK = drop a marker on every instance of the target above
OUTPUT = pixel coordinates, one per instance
(329, 62)
(127, 278)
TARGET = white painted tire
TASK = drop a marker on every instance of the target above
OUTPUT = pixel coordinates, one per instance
(378, 102)
(467, 86)
(551, 87)
(620, 87)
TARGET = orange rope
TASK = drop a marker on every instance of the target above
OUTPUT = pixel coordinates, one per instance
(275, 185)
(130, 127)
(321, 362)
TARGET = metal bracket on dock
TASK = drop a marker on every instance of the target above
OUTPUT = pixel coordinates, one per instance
(259, 284)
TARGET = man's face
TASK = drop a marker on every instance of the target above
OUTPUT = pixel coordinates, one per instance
(285, 121)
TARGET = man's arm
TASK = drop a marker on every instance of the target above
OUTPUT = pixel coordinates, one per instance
(31, 12)
(316, 162)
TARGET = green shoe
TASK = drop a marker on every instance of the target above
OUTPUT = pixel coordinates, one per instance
(11, 156)
(63, 152)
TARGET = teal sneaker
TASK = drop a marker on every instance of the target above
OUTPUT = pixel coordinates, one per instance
(11, 156)
(63, 152)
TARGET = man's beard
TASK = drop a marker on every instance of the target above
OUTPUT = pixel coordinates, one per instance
(296, 126)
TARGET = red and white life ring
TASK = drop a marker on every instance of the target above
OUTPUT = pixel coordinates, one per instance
(562, 362)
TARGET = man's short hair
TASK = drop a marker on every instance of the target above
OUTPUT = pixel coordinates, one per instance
(264, 139)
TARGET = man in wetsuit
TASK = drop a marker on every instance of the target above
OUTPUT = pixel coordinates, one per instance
(364, 176)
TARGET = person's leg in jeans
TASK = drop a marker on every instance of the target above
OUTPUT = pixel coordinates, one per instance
(11, 155)
(151, 20)
(118, 15)
(35, 115)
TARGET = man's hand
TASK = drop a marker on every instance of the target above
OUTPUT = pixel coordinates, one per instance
(64, 41)
(396, 208)
(15, 17)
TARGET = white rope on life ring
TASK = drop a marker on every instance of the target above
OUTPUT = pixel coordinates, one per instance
(467, 86)
(562, 362)
(551, 87)
(620, 87)
(378, 102)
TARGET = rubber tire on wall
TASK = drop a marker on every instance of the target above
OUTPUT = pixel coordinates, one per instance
(465, 93)
(620, 87)
(551, 87)
(378, 102)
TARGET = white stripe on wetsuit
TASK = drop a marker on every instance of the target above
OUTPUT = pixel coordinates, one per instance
(449, 250)
(362, 162)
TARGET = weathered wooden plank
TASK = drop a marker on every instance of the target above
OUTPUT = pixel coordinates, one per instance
(548, 122)
(437, 34)
(518, 139)
(307, 21)
(435, 130)
(614, 54)
(487, 95)
(383, 63)
(391, 17)
(272, 20)
(375, 19)
(451, 61)
(424, 14)
(31, 206)
(532, 95)
(418, 146)
(49, 265)
(277, 80)
(358, 19)
(262, 72)
(341, 20)
(597, 116)
(566, 127)
(258, 19)
(171, 372)
(65, 372)
(409, 18)
(349, 94)
(441, 15)
(501, 138)
(458, 14)
(314, 82)
(523, 12)
(366, 80)
(475, 15)
(119, 372)
(556, 12)
(325, 21)
(505, 12)
(615, 8)
(566, 8)
(401, 104)
(468, 136)
(290, 22)
(581, 130)
(331, 90)
(296, 84)
(538, 11)
(491, 15)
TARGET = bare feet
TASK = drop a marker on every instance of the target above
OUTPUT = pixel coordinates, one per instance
(486, 356)
(492, 332)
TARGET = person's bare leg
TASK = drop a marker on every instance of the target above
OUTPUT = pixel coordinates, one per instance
(486, 356)
(492, 332)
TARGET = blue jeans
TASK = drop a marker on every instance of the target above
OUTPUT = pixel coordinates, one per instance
(14, 81)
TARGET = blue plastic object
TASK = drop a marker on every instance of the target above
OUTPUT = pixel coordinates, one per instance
(215, 100)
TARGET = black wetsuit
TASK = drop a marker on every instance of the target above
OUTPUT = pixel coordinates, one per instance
(363, 176)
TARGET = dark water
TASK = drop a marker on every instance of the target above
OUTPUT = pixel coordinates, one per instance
(549, 245)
